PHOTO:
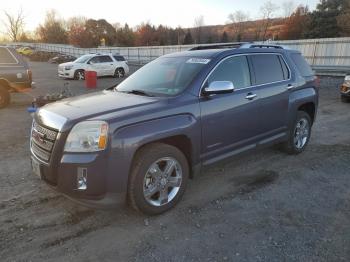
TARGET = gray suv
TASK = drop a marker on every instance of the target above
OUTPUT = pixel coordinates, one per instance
(141, 141)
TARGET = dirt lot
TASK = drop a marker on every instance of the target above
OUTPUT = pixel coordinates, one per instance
(264, 206)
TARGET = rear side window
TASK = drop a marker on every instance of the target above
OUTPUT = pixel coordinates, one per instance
(119, 58)
(234, 69)
(6, 57)
(302, 65)
(268, 68)
(285, 69)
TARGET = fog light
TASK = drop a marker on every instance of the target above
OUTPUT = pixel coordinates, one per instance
(82, 178)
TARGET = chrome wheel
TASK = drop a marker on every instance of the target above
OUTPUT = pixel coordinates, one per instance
(119, 73)
(80, 75)
(301, 133)
(162, 181)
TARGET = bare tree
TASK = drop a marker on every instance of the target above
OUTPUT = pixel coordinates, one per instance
(238, 20)
(268, 10)
(14, 24)
(288, 7)
(198, 25)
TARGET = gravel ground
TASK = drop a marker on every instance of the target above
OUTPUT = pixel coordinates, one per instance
(263, 206)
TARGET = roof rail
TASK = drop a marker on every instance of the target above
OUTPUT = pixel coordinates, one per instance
(218, 46)
(252, 45)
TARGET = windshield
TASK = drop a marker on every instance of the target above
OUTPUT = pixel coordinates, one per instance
(165, 76)
(83, 59)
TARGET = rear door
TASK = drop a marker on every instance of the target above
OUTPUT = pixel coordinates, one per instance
(272, 78)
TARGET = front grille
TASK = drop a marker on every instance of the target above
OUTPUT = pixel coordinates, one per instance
(42, 141)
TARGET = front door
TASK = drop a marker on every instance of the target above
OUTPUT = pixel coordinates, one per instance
(107, 65)
(96, 65)
(229, 121)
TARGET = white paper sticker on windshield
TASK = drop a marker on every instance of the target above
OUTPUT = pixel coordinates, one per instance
(198, 61)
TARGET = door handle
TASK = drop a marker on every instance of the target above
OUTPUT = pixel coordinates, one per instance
(290, 86)
(250, 96)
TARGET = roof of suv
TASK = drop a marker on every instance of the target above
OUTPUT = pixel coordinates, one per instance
(211, 51)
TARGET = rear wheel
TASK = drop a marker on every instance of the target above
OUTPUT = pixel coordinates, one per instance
(300, 134)
(4, 97)
(158, 178)
(79, 75)
(119, 72)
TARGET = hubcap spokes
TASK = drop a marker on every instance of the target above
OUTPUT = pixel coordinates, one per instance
(120, 74)
(301, 133)
(162, 181)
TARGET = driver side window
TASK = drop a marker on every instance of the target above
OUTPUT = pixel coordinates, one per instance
(234, 69)
(94, 60)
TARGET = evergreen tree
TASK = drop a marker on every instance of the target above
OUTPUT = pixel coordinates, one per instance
(224, 37)
(323, 21)
(188, 38)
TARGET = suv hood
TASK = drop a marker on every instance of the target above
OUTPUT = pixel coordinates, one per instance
(66, 64)
(69, 111)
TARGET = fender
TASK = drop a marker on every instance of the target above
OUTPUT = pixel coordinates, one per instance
(127, 140)
(300, 97)
(4, 83)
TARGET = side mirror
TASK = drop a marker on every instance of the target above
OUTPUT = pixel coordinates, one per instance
(219, 87)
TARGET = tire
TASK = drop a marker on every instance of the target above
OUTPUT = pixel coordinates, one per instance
(294, 145)
(79, 75)
(4, 97)
(146, 181)
(119, 72)
(345, 99)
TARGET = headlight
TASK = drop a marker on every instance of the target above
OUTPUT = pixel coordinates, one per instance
(87, 136)
(68, 67)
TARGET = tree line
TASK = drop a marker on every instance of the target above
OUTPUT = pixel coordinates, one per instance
(331, 18)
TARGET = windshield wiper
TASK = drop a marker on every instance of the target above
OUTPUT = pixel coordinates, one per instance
(136, 92)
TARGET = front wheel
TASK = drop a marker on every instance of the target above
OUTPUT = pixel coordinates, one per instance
(300, 134)
(158, 178)
(79, 75)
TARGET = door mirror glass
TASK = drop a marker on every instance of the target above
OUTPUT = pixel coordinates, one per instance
(219, 87)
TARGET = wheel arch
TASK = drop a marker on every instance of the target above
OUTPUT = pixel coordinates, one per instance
(181, 142)
(5, 84)
(179, 131)
(309, 108)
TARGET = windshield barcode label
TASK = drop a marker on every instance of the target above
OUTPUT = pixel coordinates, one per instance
(198, 61)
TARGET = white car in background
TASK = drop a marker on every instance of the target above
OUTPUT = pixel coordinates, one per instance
(102, 64)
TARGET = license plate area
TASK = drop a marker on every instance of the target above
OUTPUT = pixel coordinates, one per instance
(36, 167)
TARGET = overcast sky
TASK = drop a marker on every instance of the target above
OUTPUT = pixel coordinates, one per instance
(171, 13)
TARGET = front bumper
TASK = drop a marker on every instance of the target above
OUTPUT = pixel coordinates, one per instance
(62, 73)
(63, 178)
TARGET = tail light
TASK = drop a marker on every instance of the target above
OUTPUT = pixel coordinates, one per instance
(317, 81)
